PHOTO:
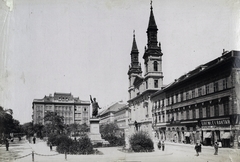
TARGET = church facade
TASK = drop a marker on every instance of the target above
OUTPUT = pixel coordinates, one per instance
(143, 85)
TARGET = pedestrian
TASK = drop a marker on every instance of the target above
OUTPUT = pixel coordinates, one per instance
(200, 147)
(163, 146)
(159, 145)
(50, 146)
(34, 140)
(7, 144)
(216, 148)
(197, 149)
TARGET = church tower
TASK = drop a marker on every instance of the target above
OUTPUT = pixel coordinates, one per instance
(134, 68)
(153, 56)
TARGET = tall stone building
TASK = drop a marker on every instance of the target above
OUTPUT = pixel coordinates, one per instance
(141, 86)
(71, 108)
(202, 105)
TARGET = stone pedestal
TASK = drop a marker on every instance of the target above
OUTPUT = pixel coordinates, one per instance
(94, 134)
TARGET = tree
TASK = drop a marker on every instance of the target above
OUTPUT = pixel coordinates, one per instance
(109, 133)
(7, 123)
(77, 129)
(54, 122)
(28, 129)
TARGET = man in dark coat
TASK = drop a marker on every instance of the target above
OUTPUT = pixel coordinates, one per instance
(34, 140)
(216, 148)
(7, 144)
(163, 146)
(159, 145)
(197, 149)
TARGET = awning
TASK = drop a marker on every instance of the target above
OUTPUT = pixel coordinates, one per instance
(187, 134)
(207, 135)
(226, 135)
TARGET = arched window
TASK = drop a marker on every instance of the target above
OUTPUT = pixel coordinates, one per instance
(155, 66)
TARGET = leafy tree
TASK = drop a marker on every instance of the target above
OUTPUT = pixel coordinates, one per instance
(108, 129)
(7, 123)
(28, 129)
(77, 129)
(109, 133)
(54, 122)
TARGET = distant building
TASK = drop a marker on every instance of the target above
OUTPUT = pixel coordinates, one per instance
(202, 105)
(71, 108)
(121, 117)
(107, 115)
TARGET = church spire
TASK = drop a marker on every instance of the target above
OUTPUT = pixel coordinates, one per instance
(153, 48)
(152, 24)
(135, 66)
(134, 45)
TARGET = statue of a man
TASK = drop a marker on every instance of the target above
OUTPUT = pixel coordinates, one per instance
(95, 107)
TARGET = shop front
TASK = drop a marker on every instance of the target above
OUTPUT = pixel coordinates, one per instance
(218, 129)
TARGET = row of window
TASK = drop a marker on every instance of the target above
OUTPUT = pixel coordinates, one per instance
(195, 113)
(197, 92)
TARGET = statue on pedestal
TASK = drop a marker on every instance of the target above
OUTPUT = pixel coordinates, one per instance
(95, 107)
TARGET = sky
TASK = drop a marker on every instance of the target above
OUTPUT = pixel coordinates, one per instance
(83, 47)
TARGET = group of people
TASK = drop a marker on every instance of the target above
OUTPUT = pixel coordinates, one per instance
(161, 145)
(198, 148)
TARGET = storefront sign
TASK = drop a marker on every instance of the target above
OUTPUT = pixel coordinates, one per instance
(216, 122)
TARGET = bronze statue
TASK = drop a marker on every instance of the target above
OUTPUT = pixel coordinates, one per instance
(95, 107)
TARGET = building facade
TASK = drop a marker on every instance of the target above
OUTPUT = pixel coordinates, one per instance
(108, 115)
(202, 105)
(71, 108)
(121, 118)
(141, 86)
